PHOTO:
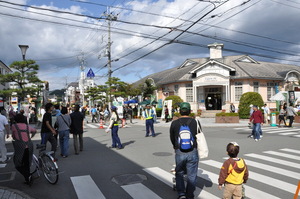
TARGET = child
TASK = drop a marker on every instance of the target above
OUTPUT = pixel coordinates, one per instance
(233, 173)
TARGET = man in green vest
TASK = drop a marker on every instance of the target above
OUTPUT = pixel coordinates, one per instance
(148, 115)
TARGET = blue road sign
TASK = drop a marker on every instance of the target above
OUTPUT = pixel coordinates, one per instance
(90, 73)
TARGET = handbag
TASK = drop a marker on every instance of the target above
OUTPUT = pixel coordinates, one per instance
(201, 142)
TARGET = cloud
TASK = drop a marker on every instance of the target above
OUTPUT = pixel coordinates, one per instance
(57, 47)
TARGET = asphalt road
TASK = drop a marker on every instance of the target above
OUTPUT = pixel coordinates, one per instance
(145, 163)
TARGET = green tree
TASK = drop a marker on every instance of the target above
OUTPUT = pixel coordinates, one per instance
(176, 100)
(148, 88)
(246, 100)
(24, 76)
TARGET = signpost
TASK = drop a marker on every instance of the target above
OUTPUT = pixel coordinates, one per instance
(90, 74)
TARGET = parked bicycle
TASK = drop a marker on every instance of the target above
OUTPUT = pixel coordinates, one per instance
(45, 163)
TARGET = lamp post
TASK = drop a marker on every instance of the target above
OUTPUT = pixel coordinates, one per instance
(23, 50)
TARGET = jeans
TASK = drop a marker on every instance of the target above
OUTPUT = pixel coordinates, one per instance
(186, 163)
(49, 137)
(64, 142)
(3, 149)
(257, 130)
(149, 126)
(115, 137)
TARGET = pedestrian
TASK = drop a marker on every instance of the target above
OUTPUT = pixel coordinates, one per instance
(186, 160)
(55, 113)
(83, 111)
(154, 114)
(106, 114)
(23, 147)
(266, 114)
(257, 120)
(232, 108)
(281, 116)
(63, 123)
(11, 115)
(77, 128)
(4, 128)
(290, 114)
(114, 127)
(166, 114)
(149, 114)
(47, 130)
(233, 173)
(94, 114)
(130, 114)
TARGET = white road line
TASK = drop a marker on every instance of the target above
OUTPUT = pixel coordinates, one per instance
(297, 136)
(250, 191)
(167, 177)
(139, 191)
(275, 160)
(294, 157)
(290, 150)
(273, 169)
(92, 125)
(280, 131)
(86, 188)
(291, 133)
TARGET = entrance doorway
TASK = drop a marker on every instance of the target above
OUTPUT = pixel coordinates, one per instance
(213, 100)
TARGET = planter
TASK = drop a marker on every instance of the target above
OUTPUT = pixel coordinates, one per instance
(227, 119)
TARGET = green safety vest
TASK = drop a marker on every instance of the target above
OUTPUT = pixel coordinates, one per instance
(148, 114)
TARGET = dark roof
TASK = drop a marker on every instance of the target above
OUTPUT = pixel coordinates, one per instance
(244, 66)
(4, 65)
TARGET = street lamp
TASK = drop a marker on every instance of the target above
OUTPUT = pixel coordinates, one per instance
(23, 50)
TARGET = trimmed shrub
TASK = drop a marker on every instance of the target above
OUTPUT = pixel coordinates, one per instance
(176, 100)
(227, 114)
(246, 100)
(158, 112)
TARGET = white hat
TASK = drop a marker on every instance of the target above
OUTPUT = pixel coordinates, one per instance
(250, 105)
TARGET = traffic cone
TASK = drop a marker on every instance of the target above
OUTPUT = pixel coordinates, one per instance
(101, 124)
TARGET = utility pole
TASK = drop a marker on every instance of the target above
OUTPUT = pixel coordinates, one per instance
(82, 76)
(109, 17)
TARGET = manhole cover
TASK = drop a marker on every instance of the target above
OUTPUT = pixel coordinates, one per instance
(162, 154)
(126, 179)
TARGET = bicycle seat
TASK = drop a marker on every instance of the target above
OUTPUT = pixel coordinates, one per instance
(41, 146)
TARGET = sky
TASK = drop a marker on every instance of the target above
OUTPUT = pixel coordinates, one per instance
(146, 36)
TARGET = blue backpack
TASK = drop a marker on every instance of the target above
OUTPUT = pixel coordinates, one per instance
(185, 137)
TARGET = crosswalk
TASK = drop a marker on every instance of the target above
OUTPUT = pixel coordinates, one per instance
(272, 175)
(284, 131)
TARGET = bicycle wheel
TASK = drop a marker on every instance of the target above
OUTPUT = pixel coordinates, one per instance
(50, 169)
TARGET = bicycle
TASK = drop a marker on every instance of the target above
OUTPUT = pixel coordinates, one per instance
(46, 163)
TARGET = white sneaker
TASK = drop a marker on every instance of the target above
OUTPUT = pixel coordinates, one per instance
(256, 140)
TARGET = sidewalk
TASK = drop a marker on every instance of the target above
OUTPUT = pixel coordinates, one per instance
(8, 193)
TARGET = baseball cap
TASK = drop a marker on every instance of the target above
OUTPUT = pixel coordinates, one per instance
(113, 108)
(185, 106)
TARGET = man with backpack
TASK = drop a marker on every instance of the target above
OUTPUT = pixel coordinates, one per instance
(183, 137)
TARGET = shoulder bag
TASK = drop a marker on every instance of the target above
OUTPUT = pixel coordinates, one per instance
(201, 142)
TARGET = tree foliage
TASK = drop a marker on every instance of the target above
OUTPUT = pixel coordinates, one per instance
(147, 88)
(24, 76)
(176, 100)
(246, 100)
